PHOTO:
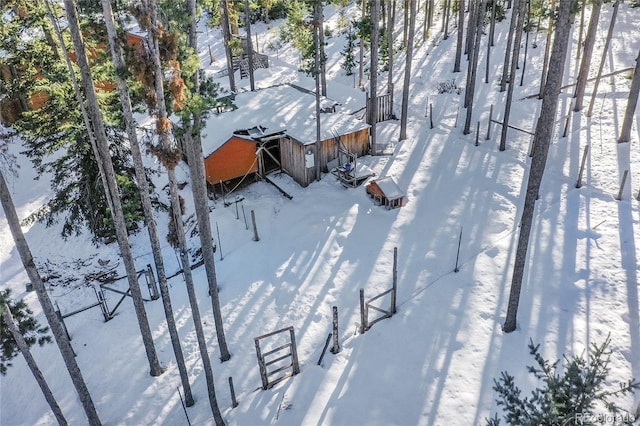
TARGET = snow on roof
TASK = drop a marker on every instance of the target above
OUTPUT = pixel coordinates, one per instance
(389, 187)
(278, 108)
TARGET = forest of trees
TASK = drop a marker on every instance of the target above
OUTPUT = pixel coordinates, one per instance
(72, 81)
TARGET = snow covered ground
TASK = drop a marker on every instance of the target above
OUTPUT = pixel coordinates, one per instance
(433, 363)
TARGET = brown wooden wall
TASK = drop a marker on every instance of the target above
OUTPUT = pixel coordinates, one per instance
(292, 154)
(234, 159)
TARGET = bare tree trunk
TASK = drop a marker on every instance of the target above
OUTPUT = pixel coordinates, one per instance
(407, 72)
(519, 10)
(507, 53)
(460, 39)
(169, 149)
(143, 185)
(625, 133)
(541, 141)
(585, 64)
(247, 24)
(200, 198)
(605, 49)
(447, 9)
(390, 30)
(226, 34)
(405, 26)
(323, 56)
(112, 192)
(361, 51)
(581, 31)
(373, 87)
(31, 363)
(474, 64)
(57, 329)
(317, 11)
(547, 50)
(425, 23)
(526, 43)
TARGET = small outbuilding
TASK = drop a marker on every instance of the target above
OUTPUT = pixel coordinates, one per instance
(275, 129)
(386, 192)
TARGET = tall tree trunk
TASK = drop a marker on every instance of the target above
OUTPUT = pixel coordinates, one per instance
(447, 9)
(605, 49)
(143, 185)
(425, 23)
(373, 86)
(547, 50)
(226, 35)
(56, 327)
(474, 64)
(507, 54)
(407, 72)
(361, 50)
(512, 73)
(625, 133)
(541, 141)
(118, 215)
(317, 11)
(200, 198)
(323, 55)
(405, 27)
(31, 363)
(247, 24)
(390, 30)
(473, 6)
(168, 147)
(585, 63)
(460, 38)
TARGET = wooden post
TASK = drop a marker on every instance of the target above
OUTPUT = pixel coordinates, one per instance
(566, 124)
(395, 281)
(210, 55)
(336, 345)
(294, 352)
(431, 114)
(489, 123)
(458, 254)
(263, 368)
(153, 287)
(246, 225)
(584, 160)
(234, 402)
(478, 133)
(219, 241)
(324, 349)
(624, 179)
(255, 227)
(363, 320)
(457, 114)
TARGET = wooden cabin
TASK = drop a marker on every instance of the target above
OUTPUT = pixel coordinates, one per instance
(278, 133)
(386, 192)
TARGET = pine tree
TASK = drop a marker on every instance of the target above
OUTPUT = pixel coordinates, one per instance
(19, 331)
(51, 127)
(31, 331)
(574, 394)
(348, 55)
